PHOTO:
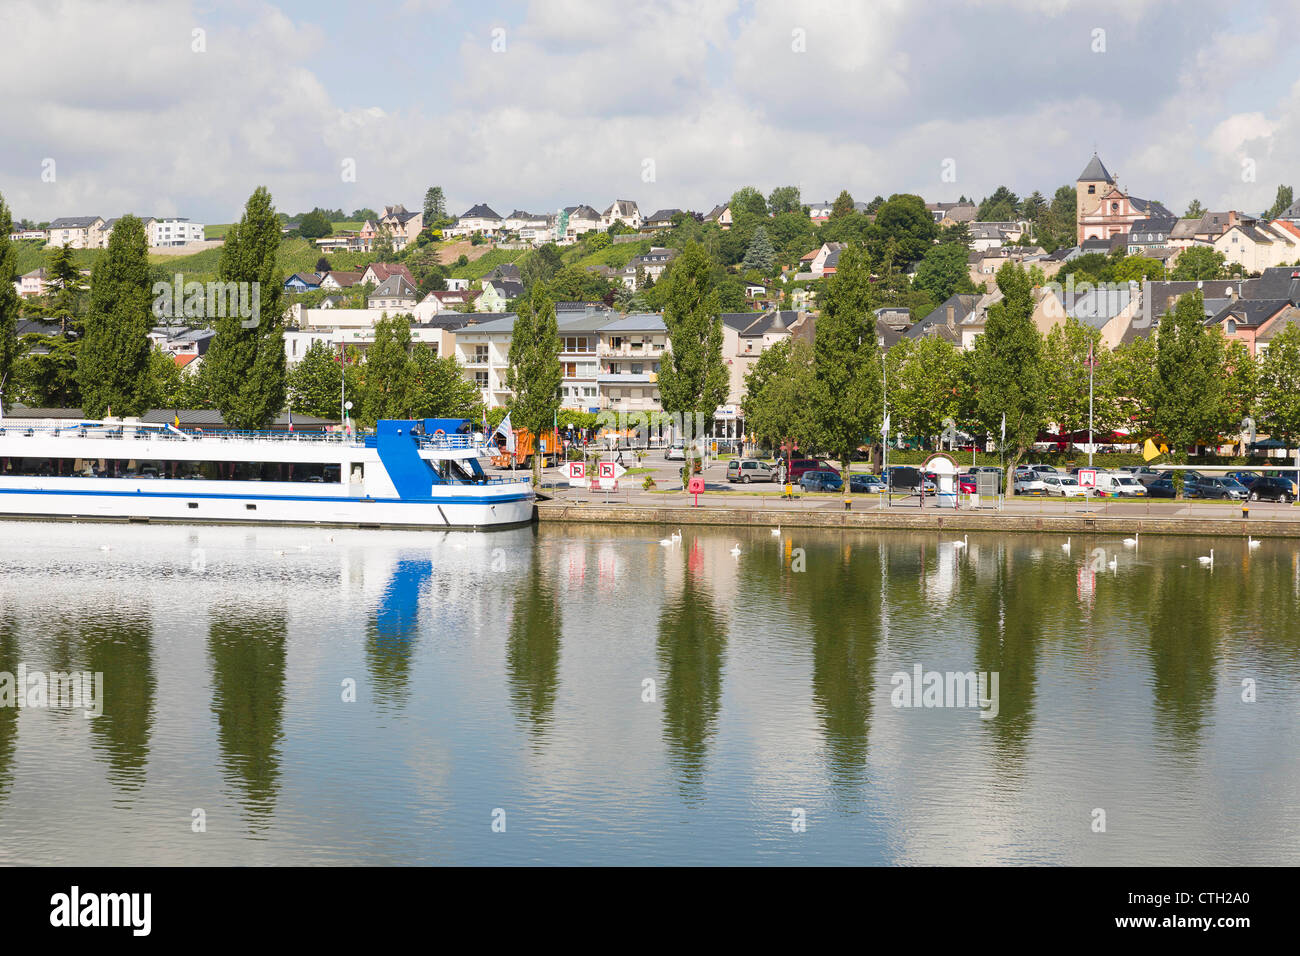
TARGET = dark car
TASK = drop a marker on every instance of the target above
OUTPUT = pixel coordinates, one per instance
(1161, 488)
(1218, 488)
(821, 481)
(1269, 488)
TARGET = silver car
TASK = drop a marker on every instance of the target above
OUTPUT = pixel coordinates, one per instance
(745, 470)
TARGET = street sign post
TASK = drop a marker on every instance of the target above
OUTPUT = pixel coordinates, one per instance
(1087, 477)
(577, 473)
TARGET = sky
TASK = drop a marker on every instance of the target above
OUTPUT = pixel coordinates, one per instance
(184, 107)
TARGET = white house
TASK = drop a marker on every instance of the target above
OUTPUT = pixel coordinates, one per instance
(173, 231)
(79, 232)
(624, 211)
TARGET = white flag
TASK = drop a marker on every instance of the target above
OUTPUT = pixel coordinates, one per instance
(1004, 426)
(884, 429)
(504, 428)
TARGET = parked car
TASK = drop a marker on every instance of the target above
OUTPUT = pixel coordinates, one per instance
(1028, 482)
(1270, 488)
(1064, 486)
(1221, 488)
(800, 465)
(866, 484)
(745, 470)
(1161, 488)
(821, 481)
(1044, 469)
(967, 484)
(1245, 477)
(1143, 473)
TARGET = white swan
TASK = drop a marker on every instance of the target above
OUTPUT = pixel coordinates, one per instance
(105, 547)
(1207, 561)
(960, 544)
(1251, 542)
(666, 542)
(735, 550)
(1066, 547)
(1131, 542)
(776, 532)
(1113, 563)
(677, 535)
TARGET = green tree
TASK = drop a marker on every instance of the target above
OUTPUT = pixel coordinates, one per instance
(943, 272)
(1002, 206)
(113, 357)
(534, 376)
(903, 231)
(1065, 371)
(778, 389)
(540, 265)
(435, 205)
(1198, 262)
(760, 255)
(65, 279)
(693, 379)
(847, 385)
(1189, 399)
(1007, 368)
(747, 202)
(315, 385)
(245, 365)
(1279, 386)
(784, 199)
(1281, 204)
(315, 225)
(386, 392)
(843, 205)
(924, 381)
(439, 389)
(46, 372)
(10, 304)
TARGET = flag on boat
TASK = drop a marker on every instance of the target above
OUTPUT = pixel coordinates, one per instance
(505, 429)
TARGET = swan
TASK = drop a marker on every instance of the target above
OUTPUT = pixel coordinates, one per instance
(961, 543)
(1251, 542)
(1113, 563)
(735, 550)
(677, 535)
(666, 542)
(1208, 561)
(1131, 542)
(105, 547)
(776, 532)
(1066, 547)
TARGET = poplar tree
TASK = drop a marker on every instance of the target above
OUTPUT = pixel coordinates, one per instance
(245, 365)
(10, 304)
(113, 368)
(1008, 368)
(847, 368)
(1189, 393)
(534, 375)
(693, 379)
(387, 371)
(1279, 386)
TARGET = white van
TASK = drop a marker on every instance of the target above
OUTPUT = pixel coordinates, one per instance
(1113, 484)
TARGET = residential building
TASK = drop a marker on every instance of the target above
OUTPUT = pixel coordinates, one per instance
(401, 226)
(1148, 235)
(1256, 245)
(660, 219)
(952, 213)
(377, 272)
(579, 362)
(480, 218)
(483, 349)
(497, 293)
(624, 211)
(339, 280)
(579, 220)
(302, 282)
(653, 263)
(32, 284)
(721, 215)
(79, 232)
(173, 231)
(394, 293)
(629, 351)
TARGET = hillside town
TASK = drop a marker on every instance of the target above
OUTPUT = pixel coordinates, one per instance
(1099, 258)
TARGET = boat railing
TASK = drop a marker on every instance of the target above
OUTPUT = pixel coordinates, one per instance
(142, 431)
(449, 441)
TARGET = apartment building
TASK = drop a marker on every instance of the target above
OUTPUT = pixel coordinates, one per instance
(629, 351)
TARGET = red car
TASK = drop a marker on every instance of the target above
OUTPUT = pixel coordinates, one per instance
(966, 484)
(799, 465)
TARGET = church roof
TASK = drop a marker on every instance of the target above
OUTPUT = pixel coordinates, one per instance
(1095, 172)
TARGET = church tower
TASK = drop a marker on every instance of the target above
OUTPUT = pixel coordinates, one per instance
(1093, 183)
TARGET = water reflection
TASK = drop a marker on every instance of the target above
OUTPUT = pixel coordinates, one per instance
(117, 642)
(533, 647)
(1184, 626)
(247, 652)
(393, 629)
(1010, 608)
(8, 715)
(692, 640)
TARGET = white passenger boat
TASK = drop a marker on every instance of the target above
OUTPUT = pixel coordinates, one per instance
(419, 473)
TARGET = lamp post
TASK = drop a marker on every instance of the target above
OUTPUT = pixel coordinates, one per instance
(1091, 365)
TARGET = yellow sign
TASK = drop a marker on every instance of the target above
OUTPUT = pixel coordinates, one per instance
(1149, 450)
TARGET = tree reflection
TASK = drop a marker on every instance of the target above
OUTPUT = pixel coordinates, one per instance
(248, 671)
(533, 648)
(8, 715)
(692, 639)
(120, 646)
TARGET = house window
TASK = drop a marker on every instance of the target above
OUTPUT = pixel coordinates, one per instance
(480, 353)
(570, 369)
(1092, 190)
(481, 379)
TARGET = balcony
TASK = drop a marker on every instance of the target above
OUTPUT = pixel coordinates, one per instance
(627, 351)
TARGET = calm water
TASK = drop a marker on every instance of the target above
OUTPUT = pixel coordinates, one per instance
(507, 671)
